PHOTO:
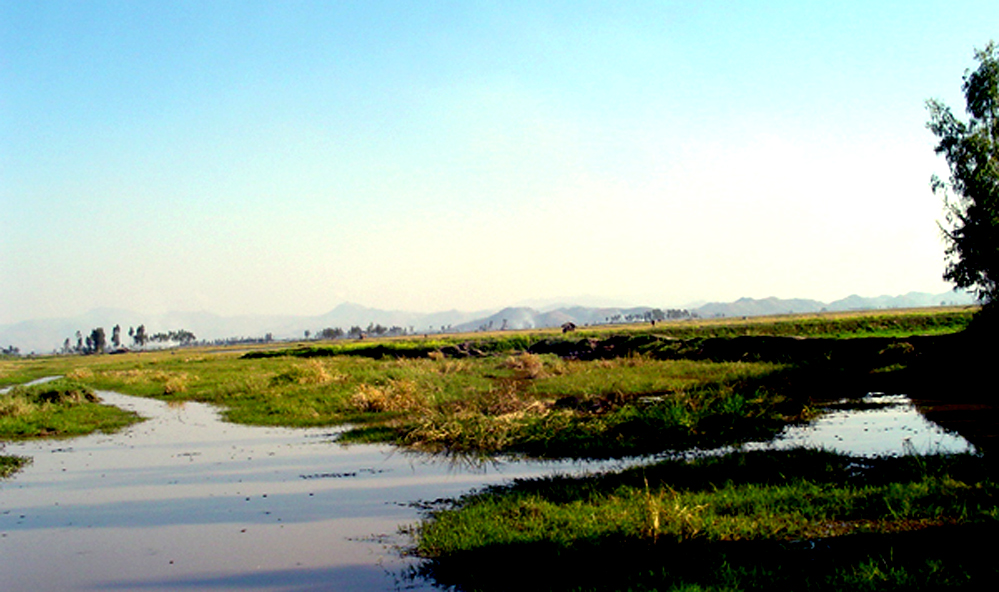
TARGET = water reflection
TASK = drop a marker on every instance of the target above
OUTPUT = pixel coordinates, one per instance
(876, 425)
(184, 501)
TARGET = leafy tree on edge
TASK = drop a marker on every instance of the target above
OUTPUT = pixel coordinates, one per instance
(971, 194)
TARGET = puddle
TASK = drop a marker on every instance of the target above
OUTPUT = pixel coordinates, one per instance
(876, 425)
(184, 501)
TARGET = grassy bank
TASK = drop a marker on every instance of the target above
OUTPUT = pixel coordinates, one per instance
(57, 409)
(764, 520)
(60, 408)
(600, 392)
(540, 405)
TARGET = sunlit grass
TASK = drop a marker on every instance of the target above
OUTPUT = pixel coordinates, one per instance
(491, 396)
(61, 408)
(742, 521)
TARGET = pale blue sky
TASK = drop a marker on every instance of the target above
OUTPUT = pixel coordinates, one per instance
(284, 157)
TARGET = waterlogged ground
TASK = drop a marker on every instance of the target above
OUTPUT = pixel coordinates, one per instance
(186, 502)
(875, 425)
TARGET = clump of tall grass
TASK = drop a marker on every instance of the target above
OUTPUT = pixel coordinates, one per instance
(57, 392)
(170, 382)
(395, 395)
(58, 408)
(526, 366)
(13, 405)
(311, 372)
(82, 373)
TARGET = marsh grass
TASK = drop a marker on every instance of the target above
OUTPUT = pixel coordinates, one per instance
(547, 407)
(514, 402)
(771, 520)
(491, 395)
(60, 408)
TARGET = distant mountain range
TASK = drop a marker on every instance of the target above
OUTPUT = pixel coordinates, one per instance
(44, 336)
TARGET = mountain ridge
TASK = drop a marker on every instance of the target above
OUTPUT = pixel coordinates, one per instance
(47, 335)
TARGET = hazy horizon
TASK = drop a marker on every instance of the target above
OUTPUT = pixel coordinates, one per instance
(257, 158)
(959, 297)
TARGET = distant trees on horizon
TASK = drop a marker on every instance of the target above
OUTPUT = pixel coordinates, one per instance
(96, 341)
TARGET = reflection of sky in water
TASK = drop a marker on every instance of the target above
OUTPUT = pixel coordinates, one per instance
(184, 501)
(886, 425)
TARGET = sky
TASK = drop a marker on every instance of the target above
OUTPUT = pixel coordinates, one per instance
(286, 157)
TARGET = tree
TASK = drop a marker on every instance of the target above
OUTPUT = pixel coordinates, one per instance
(140, 336)
(97, 341)
(971, 193)
(331, 333)
(116, 336)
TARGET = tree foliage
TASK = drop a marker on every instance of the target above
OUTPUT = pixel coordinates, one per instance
(971, 193)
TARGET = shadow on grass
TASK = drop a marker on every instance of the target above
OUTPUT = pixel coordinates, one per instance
(946, 541)
(928, 559)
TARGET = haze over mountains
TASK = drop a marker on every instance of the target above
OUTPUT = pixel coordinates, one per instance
(47, 335)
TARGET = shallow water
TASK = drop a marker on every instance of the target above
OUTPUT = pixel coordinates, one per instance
(876, 425)
(185, 501)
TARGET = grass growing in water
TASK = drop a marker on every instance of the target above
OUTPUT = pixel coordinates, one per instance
(56, 409)
(763, 520)
(635, 391)
(516, 402)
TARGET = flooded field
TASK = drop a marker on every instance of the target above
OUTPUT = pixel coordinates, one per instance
(185, 501)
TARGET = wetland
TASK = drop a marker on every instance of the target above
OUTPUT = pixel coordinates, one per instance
(626, 459)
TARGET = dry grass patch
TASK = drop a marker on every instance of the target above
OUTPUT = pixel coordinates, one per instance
(310, 372)
(173, 382)
(396, 395)
(13, 406)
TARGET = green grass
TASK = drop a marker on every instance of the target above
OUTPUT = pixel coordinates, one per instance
(542, 406)
(531, 404)
(787, 520)
(60, 409)
(791, 520)
(613, 392)
(56, 409)
(898, 323)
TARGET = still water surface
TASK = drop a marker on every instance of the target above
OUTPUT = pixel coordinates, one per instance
(187, 502)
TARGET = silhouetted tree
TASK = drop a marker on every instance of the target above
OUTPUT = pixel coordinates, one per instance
(331, 333)
(97, 341)
(971, 194)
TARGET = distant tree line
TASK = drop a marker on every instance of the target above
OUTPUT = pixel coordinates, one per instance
(357, 332)
(655, 314)
(96, 342)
